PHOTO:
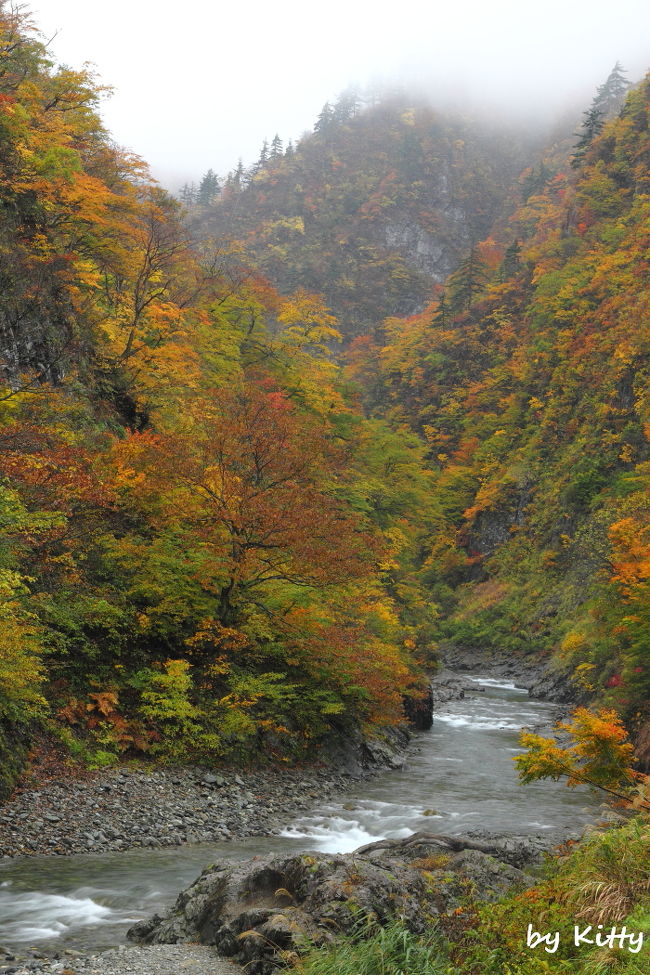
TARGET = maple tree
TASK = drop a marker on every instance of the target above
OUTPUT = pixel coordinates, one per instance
(599, 754)
(247, 484)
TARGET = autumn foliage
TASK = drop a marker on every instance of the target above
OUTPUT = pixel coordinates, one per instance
(193, 563)
(224, 534)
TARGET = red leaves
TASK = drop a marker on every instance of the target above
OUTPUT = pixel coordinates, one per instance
(250, 483)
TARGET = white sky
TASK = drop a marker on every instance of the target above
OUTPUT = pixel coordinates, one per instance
(198, 84)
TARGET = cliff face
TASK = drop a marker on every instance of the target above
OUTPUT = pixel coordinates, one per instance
(371, 210)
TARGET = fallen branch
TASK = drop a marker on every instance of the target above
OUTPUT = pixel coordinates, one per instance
(455, 843)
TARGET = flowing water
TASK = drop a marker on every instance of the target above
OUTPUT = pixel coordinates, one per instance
(459, 776)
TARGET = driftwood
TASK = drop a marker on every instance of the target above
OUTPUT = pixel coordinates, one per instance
(455, 843)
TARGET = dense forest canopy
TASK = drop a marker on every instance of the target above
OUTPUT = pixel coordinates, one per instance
(207, 549)
(220, 539)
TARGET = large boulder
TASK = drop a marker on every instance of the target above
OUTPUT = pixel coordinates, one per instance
(448, 686)
(266, 911)
(418, 707)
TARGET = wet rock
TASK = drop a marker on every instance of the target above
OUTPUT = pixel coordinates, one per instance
(555, 684)
(253, 910)
(418, 708)
(448, 686)
(257, 911)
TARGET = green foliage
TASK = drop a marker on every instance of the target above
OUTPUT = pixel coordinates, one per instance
(606, 880)
(393, 950)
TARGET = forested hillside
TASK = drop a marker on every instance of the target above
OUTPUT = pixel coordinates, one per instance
(372, 209)
(220, 544)
(206, 549)
(528, 380)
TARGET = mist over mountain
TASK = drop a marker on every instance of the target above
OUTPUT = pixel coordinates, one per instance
(374, 208)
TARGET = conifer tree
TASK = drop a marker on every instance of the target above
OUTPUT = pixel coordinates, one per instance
(511, 262)
(264, 155)
(347, 106)
(239, 175)
(325, 119)
(592, 126)
(464, 283)
(535, 181)
(276, 147)
(611, 95)
(209, 189)
(441, 314)
(607, 103)
(187, 194)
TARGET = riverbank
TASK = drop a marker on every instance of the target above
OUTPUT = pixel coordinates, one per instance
(129, 960)
(113, 810)
(458, 779)
(127, 808)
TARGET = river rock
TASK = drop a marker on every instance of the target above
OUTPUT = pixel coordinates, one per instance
(418, 708)
(268, 910)
(447, 686)
(115, 809)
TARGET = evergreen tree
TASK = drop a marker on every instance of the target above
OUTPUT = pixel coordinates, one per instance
(325, 120)
(276, 147)
(591, 127)
(239, 176)
(511, 263)
(607, 102)
(264, 155)
(465, 282)
(187, 194)
(441, 314)
(347, 106)
(209, 189)
(535, 181)
(611, 95)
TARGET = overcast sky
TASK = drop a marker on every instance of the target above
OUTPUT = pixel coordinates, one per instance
(198, 84)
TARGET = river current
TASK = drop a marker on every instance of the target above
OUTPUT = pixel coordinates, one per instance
(459, 776)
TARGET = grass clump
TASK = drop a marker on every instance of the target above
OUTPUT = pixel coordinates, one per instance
(393, 950)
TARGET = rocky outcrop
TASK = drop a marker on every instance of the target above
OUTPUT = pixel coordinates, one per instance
(264, 912)
(14, 747)
(555, 684)
(418, 708)
(347, 749)
(542, 678)
(447, 686)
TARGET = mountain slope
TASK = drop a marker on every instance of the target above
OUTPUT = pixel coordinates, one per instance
(373, 208)
(531, 389)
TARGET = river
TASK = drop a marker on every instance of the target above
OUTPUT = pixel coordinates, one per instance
(459, 776)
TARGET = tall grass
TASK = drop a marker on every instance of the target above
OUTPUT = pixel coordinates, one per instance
(392, 950)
